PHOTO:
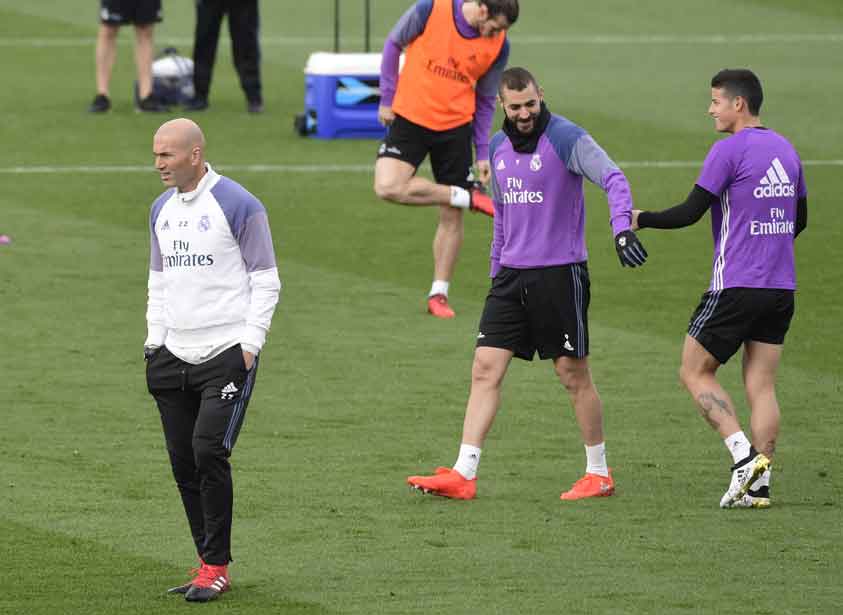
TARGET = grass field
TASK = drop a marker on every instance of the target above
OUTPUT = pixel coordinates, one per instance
(359, 388)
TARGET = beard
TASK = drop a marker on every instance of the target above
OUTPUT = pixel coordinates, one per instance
(528, 125)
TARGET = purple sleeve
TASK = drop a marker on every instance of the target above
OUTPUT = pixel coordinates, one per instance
(486, 94)
(717, 170)
(497, 236)
(483, 116)
(389, 70)
(156, 263)
(619, 195)
(588, 159)
(256, 243)
(248, 223)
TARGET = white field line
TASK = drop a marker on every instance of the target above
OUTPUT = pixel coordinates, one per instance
(526, 39)
(328, 168)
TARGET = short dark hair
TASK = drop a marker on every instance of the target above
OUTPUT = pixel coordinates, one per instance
(741, 82)
(507, 8)
(516, 78)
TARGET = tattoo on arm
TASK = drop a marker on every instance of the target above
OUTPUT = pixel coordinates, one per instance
(710, 405)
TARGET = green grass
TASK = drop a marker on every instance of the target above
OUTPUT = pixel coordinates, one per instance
(358, 388)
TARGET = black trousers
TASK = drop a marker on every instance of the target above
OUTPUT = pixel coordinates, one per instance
(202, 408)
(243, 26)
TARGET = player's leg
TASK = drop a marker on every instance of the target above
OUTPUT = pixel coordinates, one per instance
(447, 242)
(716, 331)
(502, 334)
(144, 52)
(557, 300)
(396, 182)
(403, 149)
(575, 375)
(487, 373)
(243, 26)
(698, 374)
(226, 386)
(106, 54)
(760, 365)
(146, 14)
(761, 358)
(450, 159)
(178, 410)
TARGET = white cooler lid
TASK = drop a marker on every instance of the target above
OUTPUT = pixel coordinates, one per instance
(324, 63)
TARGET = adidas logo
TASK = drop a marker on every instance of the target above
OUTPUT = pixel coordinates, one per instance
(219, 583)
(228, 391)
(567, 346)
(775, 184)
(501, 166)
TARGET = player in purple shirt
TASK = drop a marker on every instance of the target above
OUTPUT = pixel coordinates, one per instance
(540, 291)
(753, 183)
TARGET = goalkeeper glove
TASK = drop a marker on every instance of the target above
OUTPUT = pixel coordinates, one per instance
(630, 251)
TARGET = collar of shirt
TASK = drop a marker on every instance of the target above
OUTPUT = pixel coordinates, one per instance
(463, 27)
(210, 175)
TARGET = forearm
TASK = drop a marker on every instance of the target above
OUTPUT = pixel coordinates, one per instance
(265, 287)
(685, 214)
(619, 195)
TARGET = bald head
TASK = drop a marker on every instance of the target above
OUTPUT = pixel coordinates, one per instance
(184, 132)
(179, 150)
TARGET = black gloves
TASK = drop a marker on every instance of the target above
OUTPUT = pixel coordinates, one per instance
(630, 251)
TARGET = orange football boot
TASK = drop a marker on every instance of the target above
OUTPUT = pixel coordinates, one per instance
(446, 482)
(438, 306)
(590, 486)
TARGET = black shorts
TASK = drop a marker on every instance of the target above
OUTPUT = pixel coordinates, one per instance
(450, 150)
(725, 319)
(542, 309)
(138, 12)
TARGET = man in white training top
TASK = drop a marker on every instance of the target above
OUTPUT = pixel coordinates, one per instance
(213, 286)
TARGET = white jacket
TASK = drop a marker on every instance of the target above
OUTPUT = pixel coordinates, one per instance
(213, 280)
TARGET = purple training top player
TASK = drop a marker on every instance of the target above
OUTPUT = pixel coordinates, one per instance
(540, 292)
(754, 185)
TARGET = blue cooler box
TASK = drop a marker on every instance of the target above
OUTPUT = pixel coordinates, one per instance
(341, 96)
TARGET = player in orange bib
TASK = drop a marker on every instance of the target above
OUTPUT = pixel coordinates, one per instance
(443, 100)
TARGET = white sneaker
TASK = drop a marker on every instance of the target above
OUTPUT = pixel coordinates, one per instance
(744, 474)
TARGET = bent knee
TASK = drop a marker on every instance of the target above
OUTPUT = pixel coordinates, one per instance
(388, 191)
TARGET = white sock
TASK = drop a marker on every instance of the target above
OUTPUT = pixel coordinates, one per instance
(738, 445)
(439, 287)
(467, 461)
(460, 197)
(595, 458)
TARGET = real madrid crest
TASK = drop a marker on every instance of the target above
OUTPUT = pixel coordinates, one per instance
(536, 163)
(204, 224)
